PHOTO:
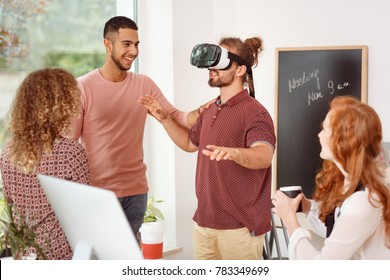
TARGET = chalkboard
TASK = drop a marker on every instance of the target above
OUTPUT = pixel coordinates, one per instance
(306, 81)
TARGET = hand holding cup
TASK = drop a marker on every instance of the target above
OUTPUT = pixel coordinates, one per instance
(292, 192)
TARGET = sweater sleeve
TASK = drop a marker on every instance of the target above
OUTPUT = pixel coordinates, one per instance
(77, 158)
(313, 218)
(178, 115)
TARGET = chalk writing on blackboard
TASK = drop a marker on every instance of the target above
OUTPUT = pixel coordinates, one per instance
(295, 83)
(314, 77)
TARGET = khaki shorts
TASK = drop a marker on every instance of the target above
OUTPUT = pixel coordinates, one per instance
(230, 244)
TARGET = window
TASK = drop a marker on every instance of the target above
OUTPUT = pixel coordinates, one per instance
(50, 33)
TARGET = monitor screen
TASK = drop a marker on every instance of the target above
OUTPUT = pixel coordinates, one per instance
(92, 218)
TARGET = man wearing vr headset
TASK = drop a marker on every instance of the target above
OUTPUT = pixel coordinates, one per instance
(236, 140)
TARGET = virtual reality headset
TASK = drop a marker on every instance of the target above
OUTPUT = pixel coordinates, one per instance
(212, 56)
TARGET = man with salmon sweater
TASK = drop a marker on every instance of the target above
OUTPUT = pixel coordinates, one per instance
(111, 125)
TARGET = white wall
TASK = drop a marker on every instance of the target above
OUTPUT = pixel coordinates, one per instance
(155, 59)
(281, 23)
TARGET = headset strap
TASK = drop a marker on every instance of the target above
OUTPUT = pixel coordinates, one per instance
(242, 61)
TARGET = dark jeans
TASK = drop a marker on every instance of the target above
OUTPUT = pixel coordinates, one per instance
(134, 208)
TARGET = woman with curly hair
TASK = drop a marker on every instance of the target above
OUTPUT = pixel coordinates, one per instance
(41, 114)
(351, 203)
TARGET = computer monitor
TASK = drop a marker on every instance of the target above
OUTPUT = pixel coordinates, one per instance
(92, 219)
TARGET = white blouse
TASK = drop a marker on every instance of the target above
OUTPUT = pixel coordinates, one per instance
(358, 233)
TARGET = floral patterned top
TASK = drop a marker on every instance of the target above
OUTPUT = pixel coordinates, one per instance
(68, 161)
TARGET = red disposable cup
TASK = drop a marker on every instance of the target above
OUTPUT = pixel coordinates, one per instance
(152, 251)
(152, 235)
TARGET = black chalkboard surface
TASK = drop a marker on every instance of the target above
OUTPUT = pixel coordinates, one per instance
(306, 80)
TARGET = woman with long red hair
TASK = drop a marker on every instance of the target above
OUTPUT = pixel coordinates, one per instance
(351, 203)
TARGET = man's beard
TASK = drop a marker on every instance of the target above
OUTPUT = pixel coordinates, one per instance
(221, 82)
(118, 64)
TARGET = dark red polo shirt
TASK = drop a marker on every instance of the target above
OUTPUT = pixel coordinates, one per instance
(231, 196)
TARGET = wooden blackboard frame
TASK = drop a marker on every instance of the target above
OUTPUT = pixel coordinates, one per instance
(310, 52)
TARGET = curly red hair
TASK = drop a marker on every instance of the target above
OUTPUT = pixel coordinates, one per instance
(42, 111)
(356, 144)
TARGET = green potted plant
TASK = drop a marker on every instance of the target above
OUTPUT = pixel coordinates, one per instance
(153, 214)
(17, 237)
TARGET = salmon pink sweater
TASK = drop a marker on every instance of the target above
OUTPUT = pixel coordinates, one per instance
(111, 128)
